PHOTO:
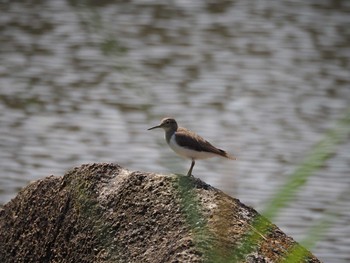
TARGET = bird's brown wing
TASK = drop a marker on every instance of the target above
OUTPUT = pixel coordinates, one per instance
(191, 140)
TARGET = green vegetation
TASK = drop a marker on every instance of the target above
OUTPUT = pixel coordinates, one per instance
(314, 161)
(191, 209)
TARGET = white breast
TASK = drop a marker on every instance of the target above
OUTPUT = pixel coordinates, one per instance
(185, 152)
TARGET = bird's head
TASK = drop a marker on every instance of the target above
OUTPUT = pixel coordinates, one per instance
(168, 124)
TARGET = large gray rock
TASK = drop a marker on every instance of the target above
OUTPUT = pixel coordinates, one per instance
(104, 213)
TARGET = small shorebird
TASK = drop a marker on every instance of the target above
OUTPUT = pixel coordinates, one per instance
(188, 144)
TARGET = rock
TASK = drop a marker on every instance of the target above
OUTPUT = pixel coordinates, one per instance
(104, 213)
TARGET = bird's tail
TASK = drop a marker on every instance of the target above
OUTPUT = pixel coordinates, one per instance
(226, 155)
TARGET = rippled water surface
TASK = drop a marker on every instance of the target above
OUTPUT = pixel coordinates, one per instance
(264, 80)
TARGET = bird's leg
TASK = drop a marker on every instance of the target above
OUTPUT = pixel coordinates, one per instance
(190, 171)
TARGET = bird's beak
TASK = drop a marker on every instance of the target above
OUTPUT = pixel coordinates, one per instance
(155, 127)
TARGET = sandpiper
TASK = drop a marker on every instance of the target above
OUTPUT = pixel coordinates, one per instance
(188, 144)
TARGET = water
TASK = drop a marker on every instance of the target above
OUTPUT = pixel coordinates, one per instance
(264, 80)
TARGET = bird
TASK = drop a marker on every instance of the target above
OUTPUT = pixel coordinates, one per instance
(189, 144)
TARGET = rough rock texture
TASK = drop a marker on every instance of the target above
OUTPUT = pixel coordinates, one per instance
(104, 213)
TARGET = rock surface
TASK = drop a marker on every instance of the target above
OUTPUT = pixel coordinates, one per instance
(104, 213)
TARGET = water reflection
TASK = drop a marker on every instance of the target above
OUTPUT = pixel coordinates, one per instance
(264, 80)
